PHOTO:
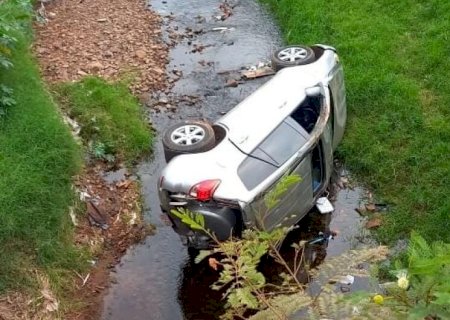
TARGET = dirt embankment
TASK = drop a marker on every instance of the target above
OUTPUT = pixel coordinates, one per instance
(112, 39)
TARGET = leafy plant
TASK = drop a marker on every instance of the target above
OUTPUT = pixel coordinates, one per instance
(9, 24)
(6, 99)
(245, 287)
(422, 289)
(423, 284)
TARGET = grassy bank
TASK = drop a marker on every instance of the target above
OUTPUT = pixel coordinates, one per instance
(38, 158)
(396, 59)
(110, 116)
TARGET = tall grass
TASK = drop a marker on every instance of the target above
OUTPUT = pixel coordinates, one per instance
(38, 158)
(396, 59)
(109, 116)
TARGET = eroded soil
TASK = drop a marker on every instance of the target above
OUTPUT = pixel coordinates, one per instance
(109, 223)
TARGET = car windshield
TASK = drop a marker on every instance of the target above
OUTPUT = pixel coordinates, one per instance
(273, 152)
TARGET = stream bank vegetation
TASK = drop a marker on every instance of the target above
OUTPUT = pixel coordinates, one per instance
(395, 54)
(421, 289)
(62, 225)
(110, 117)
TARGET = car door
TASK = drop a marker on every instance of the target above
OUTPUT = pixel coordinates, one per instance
(274, 158)
(292, 205)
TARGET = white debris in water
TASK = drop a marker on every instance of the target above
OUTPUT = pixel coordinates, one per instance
(324, 205)
(222, 29)
(348, 279)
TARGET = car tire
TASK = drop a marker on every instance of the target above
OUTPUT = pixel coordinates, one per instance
(292, 56)
(187, 137)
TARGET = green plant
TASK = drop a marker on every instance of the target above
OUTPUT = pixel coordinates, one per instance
(246, 287)
(111, 119)
(422, 289)
(38, 160)
(10, 22)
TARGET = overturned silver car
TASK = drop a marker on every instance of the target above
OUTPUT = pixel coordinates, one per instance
(290, 125)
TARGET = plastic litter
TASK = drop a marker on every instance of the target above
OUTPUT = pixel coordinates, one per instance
(324, 205)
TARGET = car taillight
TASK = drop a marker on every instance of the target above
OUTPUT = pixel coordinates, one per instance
(204, 191)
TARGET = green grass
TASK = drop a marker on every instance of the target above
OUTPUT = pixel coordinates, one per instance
(38, 158)
(109, 115)
(396, 56)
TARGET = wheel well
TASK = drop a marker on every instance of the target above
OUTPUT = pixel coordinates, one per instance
(318, 51)
(219, 133)
(239, 227)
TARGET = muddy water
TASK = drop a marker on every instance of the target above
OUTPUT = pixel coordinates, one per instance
(154, 280)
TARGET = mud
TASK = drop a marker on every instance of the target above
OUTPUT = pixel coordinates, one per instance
(155, 280)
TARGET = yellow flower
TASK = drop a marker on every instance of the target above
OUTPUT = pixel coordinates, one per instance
(378, 299)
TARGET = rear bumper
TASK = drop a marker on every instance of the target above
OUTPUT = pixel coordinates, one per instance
(222, 222)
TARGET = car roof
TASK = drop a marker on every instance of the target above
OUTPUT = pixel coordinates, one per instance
(259, 114)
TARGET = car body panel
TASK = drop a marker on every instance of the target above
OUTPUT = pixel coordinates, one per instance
(246, 127)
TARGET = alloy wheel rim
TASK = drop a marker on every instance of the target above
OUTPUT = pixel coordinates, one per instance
(187, 135)
(292, 54)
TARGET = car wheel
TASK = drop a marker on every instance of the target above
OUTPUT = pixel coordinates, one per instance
(292, 56)
(187, 137)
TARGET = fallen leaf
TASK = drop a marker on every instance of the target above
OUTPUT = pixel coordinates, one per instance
(213, 263)
(124, 184)
(373, 223)
(371, 207)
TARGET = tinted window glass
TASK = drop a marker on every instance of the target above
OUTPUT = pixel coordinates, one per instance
(283, 142)
(273, 152)
(253, 171)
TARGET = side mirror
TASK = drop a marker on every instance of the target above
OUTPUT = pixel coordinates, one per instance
(313, 92)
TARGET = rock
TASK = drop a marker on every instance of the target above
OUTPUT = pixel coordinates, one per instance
(158, 70)
(362, 211)
(41, 50)
(231, 83)
(102, 20)
(371, 207)
(64, 75)
(95, 66)
(140, 54)
(345, 289)
(108, 54)
(163, 100)
(373, 223)
(81, 73)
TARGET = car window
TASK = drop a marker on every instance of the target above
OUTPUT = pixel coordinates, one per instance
(283, 142)
(273, 152)
(255, 168)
